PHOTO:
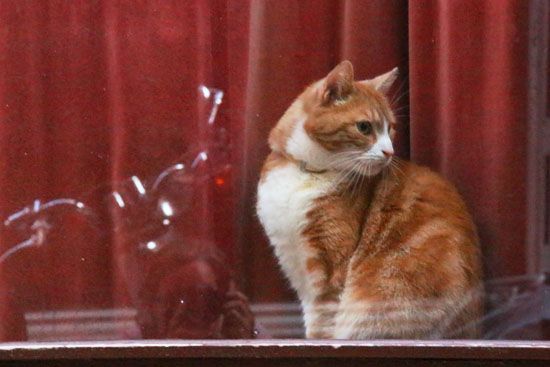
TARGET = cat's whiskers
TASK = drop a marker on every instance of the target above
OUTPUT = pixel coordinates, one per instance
(346, 162)
(399, 94)
(357, 179)
(399, 165)
(399, 109)
(395, 167)
(400, 112)
(342, 164)
(397, 172)
(399, 89)
(362, 174)
(396, 101)
(342, 176)
(353, 176)
(344, 157)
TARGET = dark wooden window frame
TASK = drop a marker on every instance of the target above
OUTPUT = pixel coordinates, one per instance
(275, 352)
(538, 136)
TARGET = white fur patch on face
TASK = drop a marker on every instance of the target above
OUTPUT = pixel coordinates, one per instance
(301, 147)
(375, 156)
(383, 142)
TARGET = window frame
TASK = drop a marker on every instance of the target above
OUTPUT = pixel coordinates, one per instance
(248, 352)
(339, 352)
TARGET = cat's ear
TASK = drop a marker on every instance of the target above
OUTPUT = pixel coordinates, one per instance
(383, 83)
(338, 84)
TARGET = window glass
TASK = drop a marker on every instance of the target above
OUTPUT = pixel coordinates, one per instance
(136, 201)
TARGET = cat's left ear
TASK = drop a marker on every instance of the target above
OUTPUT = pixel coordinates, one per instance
(338, 84)
(383, 83)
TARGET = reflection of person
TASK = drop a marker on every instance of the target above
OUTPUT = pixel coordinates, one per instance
(181, 285)
(188, 294)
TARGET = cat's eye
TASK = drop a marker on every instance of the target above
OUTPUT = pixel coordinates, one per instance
(364, 127)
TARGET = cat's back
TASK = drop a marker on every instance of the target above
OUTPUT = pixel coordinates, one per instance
(422, 215)
(431, 201)
(418, 193)
(417, 263)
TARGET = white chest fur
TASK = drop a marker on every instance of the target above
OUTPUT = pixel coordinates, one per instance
(284, 198)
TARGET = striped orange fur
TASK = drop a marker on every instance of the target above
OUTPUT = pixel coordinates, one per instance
(375, 247)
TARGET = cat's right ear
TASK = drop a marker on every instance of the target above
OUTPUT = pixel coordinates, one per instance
(338, 84)
(383, 83)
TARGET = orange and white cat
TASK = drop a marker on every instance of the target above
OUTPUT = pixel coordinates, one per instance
(375, 247)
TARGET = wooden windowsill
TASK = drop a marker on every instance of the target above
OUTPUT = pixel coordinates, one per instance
(276, 349)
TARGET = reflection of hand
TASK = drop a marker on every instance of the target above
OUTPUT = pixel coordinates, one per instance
(238, 320)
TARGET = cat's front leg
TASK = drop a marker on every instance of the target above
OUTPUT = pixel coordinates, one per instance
(322, 312)
(320, 303)
(319, 319)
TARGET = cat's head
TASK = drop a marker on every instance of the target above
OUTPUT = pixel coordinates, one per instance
(340, 124)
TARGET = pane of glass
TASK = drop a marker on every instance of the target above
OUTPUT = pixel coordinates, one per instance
(136, 201)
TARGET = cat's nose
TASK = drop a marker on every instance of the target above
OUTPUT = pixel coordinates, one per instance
(388, 153)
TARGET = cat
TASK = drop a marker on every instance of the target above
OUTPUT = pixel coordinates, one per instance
(375, 247)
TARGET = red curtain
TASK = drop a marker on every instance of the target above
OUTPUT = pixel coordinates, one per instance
(95, 92)
(469, 114)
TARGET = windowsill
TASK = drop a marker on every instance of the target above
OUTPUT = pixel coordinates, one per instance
(173, 349)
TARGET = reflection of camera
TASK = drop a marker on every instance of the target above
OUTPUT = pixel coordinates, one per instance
(183, 292)
(198, 305)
